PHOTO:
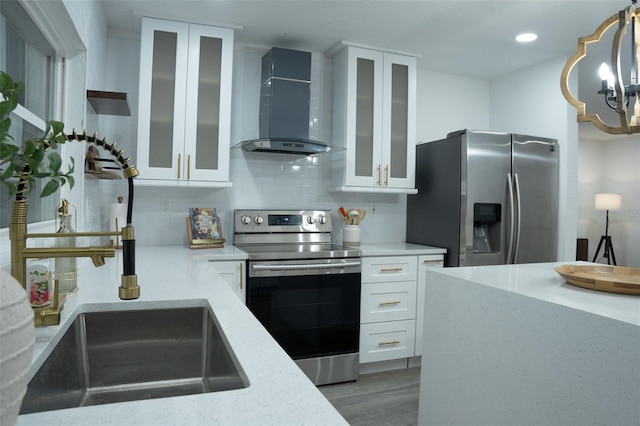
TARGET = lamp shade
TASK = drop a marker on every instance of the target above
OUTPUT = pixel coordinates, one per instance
(608, 201)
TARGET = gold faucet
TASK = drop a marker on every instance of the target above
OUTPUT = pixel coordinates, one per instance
(129, 289)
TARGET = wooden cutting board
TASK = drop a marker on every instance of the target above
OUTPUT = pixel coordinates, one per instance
(612, 279)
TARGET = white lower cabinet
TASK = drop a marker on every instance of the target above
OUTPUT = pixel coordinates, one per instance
(387, 309)
(233, 272)
(392, 306)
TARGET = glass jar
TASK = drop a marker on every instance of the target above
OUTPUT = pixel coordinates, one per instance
(66, 268)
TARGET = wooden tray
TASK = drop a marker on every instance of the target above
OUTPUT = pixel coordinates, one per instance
(612, 279)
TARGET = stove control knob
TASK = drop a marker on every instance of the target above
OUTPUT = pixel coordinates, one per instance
(311, 220)
(258, 220)
(245, 220)
(322, 219)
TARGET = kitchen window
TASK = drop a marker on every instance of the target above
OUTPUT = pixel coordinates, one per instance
(27, 56)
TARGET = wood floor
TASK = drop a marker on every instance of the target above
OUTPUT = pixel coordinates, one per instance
(388, 398)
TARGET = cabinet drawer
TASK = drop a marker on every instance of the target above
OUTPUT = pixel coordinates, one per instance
(388, 301)
(387, 340)
(386, 269)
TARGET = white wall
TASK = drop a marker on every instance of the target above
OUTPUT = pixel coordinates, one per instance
(447, 103)
(530, 102)
(611, 166)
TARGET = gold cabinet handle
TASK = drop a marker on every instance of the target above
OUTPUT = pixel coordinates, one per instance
(379, 175)
(240, 275)
(179, 162)
(390, 269)
(432, 261)
(189, 167)
(394, 302)
(389, 343)
(386, 175)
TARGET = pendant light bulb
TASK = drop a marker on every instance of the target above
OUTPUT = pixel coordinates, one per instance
(604, 71)
(606, 75)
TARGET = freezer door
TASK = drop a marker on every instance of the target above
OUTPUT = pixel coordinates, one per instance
(486, 164)
(535, 176)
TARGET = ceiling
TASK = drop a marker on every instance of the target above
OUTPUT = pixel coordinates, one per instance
(473, 38)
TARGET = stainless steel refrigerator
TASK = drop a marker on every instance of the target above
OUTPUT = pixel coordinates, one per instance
(489, 198)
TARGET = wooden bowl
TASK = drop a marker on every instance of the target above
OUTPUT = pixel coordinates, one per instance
(612, 279)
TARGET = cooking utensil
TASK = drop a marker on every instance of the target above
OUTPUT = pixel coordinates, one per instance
(362, 212)
(344, 215)
(353, 216)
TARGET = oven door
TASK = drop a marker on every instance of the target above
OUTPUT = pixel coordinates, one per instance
(310, 307)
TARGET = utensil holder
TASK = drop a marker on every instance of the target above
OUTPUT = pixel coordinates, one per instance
(351, 235)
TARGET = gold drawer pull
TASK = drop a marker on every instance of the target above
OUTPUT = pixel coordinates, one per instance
(189, 167)
(390, 269)
(395, 302)
(179, 163)
(391, 343)
(432, 261)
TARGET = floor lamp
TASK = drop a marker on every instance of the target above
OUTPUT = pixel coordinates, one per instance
(607, 202)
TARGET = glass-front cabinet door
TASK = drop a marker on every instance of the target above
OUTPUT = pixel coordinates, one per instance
(185, 100)
(399, 121)
(364, 128)
(163, 71)
(208, 111)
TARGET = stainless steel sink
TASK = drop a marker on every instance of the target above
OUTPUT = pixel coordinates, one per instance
(116, 356)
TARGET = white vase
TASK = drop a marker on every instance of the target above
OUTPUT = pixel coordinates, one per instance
(17, 335)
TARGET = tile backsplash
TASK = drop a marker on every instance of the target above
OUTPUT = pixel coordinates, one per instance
(265, 181)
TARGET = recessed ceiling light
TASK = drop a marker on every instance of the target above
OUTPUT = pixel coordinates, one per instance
(526, 37)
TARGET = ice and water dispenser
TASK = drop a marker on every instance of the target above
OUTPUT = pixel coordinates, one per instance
(486, 227)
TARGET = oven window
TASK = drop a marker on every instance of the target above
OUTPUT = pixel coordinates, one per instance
(309, 316)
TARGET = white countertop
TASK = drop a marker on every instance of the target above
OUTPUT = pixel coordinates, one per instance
(228, 252)
(516, 344)
(398, 249)
(541, 281)
(279, 393)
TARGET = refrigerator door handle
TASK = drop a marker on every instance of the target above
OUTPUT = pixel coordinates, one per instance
(512, 220)
(518, 214)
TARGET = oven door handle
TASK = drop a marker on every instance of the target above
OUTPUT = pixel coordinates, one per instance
(304, 266)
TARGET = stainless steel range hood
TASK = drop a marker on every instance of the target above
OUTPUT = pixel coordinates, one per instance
(285, 95)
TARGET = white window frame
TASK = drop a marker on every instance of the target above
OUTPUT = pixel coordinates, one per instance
(55, 23)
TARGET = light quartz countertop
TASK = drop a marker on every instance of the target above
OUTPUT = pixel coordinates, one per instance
(541, 281)
(228, 252)
(398, 249)
(278, 394)
(516, 344)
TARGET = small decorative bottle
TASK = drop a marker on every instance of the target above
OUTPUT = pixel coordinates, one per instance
(66, 269)
(40, 283)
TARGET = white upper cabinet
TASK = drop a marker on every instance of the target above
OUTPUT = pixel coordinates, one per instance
(185, 104)
(374, 118)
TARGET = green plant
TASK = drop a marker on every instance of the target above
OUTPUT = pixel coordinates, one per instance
(29, 162)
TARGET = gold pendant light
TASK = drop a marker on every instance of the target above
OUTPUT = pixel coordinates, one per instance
(616, 94)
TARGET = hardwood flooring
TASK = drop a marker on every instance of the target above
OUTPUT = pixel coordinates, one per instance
(387, 398)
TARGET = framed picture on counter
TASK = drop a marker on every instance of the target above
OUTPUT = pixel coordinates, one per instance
(204, 228)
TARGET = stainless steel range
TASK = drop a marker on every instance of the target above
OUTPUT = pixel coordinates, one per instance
(303, 289)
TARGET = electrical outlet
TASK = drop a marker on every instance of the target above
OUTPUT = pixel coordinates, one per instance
(165, 207)
(373, 209)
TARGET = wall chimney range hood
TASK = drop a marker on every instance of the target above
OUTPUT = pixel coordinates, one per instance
(285, 95)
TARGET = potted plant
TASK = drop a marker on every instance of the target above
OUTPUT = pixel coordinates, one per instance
(29, 162)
